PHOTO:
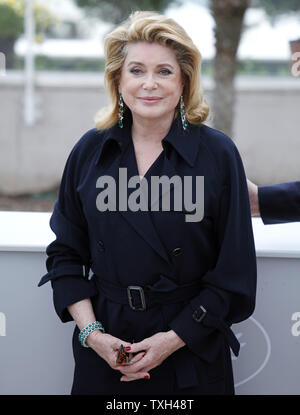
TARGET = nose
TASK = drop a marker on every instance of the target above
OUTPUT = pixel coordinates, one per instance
(150, 82)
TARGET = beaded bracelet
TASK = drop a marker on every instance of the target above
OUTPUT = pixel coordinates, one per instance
(96, 325)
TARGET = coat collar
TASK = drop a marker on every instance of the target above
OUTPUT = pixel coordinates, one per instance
(183, 141)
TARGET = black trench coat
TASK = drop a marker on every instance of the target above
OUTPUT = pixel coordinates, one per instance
(183, 265)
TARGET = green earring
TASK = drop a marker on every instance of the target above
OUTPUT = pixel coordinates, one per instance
(121, 110)
(182, 112)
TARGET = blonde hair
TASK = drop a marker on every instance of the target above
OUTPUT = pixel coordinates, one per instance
(152, 27)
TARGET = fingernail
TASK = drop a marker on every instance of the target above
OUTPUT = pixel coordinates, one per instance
(127, 348)
(147, 377)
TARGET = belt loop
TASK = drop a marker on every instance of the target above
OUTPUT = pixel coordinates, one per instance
(86, 270)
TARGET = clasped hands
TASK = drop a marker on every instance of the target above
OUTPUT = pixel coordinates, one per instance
(150, 352)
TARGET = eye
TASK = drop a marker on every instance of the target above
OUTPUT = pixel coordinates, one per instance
(135, 70)
(165, 71)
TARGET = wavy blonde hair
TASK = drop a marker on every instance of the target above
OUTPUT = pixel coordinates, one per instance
(152, 27)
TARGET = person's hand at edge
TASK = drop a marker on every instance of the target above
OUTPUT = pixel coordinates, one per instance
(253, 197)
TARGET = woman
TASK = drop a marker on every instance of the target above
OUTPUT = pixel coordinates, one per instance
(165, 287)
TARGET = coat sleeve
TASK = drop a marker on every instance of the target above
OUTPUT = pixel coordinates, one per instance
(68, 256)
(228, 290)
(279, 203)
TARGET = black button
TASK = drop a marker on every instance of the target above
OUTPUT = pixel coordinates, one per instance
(101, 245)
(177, 251)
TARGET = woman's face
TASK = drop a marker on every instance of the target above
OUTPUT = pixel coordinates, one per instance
(151, 81)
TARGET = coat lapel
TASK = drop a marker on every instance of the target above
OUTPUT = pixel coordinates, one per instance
(141, 220)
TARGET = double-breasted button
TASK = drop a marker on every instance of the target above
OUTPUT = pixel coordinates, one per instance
(101, 245)
(177, 251)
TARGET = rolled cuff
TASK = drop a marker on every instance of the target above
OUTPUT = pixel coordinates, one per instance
(205, 337)
(201, 340)
(74, 270)
(69, 290)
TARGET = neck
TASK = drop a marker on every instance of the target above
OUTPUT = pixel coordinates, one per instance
(150, 130)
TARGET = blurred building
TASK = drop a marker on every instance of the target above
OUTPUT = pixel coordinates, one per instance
(77, 35)
(74, 35)
(266, 117)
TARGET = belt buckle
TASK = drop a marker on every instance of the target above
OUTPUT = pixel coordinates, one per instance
(142, 295)
(199, 314)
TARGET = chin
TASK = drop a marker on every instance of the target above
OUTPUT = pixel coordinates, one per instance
(151, 114)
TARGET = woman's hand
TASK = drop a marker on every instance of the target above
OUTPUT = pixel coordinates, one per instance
(106, 346)
(153, 351)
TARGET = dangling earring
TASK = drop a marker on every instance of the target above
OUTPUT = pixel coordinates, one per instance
(121, 110)
(183, 119)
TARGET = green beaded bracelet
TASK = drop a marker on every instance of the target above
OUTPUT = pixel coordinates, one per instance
(96, 325)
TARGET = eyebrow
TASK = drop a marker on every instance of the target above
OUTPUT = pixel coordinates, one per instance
(140, 63)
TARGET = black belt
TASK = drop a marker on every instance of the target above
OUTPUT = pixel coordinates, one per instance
(165, 291)
(140, 298)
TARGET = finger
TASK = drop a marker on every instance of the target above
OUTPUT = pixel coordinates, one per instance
(137, 376)
(134, 367)
(145, 370)
(138, 347)
(116, 344)
(136, 357)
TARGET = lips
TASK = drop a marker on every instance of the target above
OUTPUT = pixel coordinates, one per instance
(150, 99)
